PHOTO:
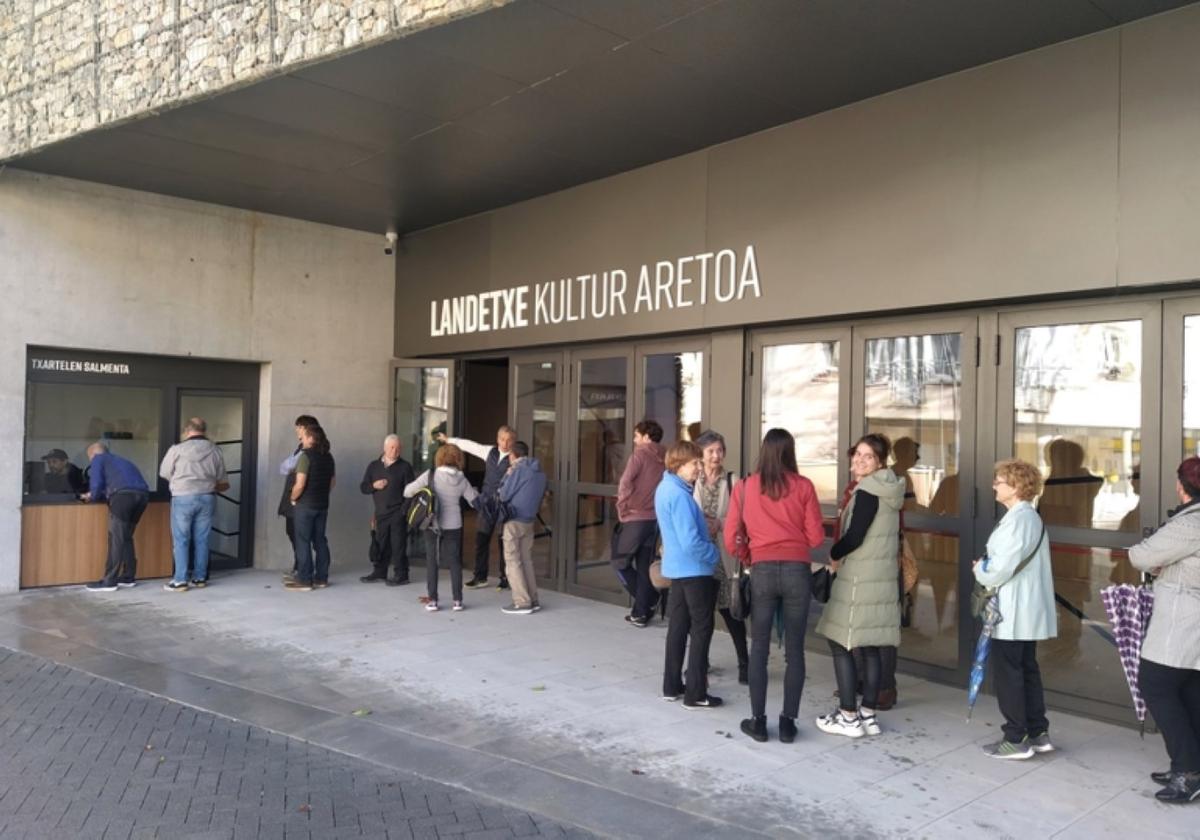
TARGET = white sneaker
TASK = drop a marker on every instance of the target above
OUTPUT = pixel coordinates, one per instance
(431, 606)
(869, 724)
(458, 606)
(835, 723)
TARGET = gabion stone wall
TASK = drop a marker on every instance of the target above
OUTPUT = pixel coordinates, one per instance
(67, 66)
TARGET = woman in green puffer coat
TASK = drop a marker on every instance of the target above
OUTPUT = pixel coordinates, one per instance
(864, 608)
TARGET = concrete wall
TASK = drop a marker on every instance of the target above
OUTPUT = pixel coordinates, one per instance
(1067, 169)
(94, 267)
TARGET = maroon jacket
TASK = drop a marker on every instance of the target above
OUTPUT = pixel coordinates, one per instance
(635, 493)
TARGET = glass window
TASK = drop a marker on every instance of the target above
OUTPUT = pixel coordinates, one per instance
(1191, 385)
(602, 407)
(537, 418)
(800, 394)
(914, 396)
(65, 419)
(673, 394)
(1078, 404)
(595, 517)
(420, 411)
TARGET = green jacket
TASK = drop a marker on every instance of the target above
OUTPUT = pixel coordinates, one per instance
(864, 606)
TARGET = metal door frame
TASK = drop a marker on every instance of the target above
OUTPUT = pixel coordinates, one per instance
(965, 324)
(555, 482)
(452, 382)
(1175, 310)
(249, 466)
(685, 344)
(1149, 311)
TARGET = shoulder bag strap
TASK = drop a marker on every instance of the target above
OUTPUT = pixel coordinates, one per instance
(1025, 562)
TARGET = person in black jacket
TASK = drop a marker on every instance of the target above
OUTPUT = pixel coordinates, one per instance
(385, 480)
(316, 476)
(287, 469)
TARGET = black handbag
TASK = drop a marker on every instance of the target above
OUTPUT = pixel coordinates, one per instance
(822, 584)
(739, 590)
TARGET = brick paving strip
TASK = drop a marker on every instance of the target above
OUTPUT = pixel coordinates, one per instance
(84, 757)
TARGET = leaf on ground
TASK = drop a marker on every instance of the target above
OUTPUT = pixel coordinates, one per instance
(305, 808)
(538, 688)
(637, 772)
(361, 712)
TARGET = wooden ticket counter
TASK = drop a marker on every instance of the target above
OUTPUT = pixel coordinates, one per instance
(67, 542)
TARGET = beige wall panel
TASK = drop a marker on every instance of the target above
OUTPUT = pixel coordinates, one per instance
(651, 214)
(1160, 149)
(996, 182)
(439, 262)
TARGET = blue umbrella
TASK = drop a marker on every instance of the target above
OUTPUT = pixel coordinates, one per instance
(991, 617)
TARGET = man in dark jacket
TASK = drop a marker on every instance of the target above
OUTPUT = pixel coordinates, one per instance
(287, 469)
(385, 480)
(495, 465)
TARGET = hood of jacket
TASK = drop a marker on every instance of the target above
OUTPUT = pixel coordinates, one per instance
(886, 486)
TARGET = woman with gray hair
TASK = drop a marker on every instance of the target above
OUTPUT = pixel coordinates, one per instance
(714, 487)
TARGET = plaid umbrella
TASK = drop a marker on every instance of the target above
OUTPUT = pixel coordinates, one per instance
(991, 617)
(1129, 609)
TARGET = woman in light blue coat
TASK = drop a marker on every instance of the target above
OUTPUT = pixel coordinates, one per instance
(1027, 612)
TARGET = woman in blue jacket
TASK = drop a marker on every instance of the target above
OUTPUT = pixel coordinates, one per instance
(689, 559)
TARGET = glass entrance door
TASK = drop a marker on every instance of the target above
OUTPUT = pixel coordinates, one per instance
(1078, 397)
(536, 394)
(227, 416)
(915, 382)
(422, 405)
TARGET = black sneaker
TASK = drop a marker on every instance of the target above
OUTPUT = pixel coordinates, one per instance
(787, 729)
(706, 702)
(101, 586)
(1183, 787)
(127, 584)
(374, 577)
(175, 587)
(476, 583)
(756, 728)
(635, 621)
(502, 585)
(298, 586)
(536, 606)
(1161, 777)
(200, 584)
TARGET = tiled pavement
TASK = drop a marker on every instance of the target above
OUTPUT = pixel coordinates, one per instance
(83, 757)
(558, 714)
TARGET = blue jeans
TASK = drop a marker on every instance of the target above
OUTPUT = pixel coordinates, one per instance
(310, 539)
(191, 522)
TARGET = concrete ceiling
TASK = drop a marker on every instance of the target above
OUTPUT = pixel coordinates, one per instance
(541, 95)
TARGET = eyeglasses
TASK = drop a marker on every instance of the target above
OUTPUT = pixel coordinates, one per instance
(997, 481)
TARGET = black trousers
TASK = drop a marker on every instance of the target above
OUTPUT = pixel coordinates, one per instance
(1018, 682)
(483, 549)
(1173, 696)
(737, 632)
(125, 509)
(289, 527)
(775, 584)
(847, 673)
(636, 542)
(691, 610)
(390, 539)
(887, 667)
(444, 551)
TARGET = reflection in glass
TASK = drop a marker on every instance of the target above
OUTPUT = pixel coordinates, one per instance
(1078, 417)
(673, 392)
(595, 516)
(420, 410)
(1191, 385)
(800, 394)
(536, 407)
(224, 418)
(543, 539)
(913, 395)
(602, 406)
(933, 635)
(73, 417)
(1080, 660)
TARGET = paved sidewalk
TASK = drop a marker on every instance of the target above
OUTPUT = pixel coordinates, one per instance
(83, 757)
(558, 713)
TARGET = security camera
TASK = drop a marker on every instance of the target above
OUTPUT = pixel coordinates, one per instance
(390, 240)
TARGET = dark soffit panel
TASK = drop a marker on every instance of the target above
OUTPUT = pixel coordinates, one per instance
(542, 95)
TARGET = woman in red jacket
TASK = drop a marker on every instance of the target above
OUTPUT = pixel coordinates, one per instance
(774, 524)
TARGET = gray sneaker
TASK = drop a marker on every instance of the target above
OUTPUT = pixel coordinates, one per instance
(1041, 743)
(1006, 749)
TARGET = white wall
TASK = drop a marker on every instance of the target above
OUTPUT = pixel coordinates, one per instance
(88, 266)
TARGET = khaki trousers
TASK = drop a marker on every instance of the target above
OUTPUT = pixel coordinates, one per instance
(518, 562)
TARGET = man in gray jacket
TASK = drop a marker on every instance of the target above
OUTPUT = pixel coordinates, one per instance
(195, 470)
(521, 493)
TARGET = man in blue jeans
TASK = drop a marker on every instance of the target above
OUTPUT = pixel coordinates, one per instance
(195, 470)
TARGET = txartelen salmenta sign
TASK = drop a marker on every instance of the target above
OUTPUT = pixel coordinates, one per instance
(714, 277)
